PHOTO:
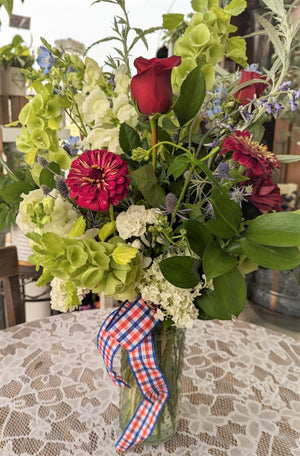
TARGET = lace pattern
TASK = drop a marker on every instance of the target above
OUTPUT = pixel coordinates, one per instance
(240, 397)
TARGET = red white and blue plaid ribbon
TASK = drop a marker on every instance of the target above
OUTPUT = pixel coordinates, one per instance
(131, 326)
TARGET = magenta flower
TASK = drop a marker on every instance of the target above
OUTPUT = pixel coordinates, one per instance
(97, 179)
(249, 153)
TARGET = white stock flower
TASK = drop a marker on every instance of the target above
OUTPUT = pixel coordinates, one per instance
(133, 222)
(124, 111)
(100, 138)
(122, 80)
(93, 73)
(95, 107)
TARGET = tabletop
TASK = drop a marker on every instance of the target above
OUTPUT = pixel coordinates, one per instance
(240, 397)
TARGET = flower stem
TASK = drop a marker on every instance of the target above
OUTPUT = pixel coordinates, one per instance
(186, 183)
(111, 213)
(154, 131)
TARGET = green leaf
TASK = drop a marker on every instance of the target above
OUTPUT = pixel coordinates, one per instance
(191, 96)
(277, 258)
(78, 228)
(274, 37)
(281, 229)
(197, 235)
(288, 158)
(129, 138)
(228, 297)
(47, 177)
(172, 20)
(178, 166)
(106, 230)
(199, 5)
(216, 261)
(12, 193)
(181, 271)
(226, 211)
(236, 7)
(146, 182)
(123, 254)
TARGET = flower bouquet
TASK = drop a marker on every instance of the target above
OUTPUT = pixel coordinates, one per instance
(165, 195)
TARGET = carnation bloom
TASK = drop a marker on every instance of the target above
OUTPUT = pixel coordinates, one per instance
(250, 153)
(97, 179)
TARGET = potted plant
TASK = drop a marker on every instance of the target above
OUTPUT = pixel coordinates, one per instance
(13, 57)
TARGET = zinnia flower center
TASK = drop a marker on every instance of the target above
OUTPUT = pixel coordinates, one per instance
(97, 175)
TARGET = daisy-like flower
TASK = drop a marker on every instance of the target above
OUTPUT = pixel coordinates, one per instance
(97, 179)
(250, 153)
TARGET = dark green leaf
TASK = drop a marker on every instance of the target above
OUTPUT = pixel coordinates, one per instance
(270, 257)
(228, 297)
(216, 261)
(281, 229)
(181, 271)
(12, 193)
(146, 182)
(129, 138)
(47, 176)
(178, 166)
(198, 236)
(191, 96)
(227, 211)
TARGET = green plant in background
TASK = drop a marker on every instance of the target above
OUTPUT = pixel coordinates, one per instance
(16, 54)
(12, 186)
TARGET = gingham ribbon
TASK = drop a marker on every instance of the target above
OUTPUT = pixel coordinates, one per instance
(131, 326)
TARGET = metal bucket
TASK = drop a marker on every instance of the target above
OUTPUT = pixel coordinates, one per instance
(276, 291)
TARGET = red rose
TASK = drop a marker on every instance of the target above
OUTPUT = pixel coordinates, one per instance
(247, 93)
(265, 194)
(151, 87)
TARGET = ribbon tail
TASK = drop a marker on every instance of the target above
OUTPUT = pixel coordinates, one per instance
(154, 388)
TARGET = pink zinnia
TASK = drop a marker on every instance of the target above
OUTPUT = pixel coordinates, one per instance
(250, 153)
(97, 179)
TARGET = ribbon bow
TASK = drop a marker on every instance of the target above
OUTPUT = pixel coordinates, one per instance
(131, 326)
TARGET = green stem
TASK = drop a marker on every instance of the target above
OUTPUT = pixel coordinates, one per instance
(154, 132)
(181, 196)
(111, 213)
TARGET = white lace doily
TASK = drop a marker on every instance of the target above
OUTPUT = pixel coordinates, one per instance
(241, 391)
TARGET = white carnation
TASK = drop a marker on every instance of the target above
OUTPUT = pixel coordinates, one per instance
(133, 222)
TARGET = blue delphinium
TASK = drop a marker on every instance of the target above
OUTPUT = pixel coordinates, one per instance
(45, 59)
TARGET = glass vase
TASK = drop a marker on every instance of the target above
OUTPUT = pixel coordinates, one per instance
(169, 347)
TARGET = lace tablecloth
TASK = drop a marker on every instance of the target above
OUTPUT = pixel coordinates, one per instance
(241, 391)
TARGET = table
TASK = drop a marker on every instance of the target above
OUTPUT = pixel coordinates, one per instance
(241, 391)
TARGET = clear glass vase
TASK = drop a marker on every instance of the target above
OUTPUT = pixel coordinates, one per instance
(169, 347)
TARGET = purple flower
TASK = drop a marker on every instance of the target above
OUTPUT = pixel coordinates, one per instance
(277, 108)
(45, 59)
(285, 85)
(293, 105)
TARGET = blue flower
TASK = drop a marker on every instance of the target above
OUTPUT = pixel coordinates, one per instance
(45, 59)
(72, 145)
